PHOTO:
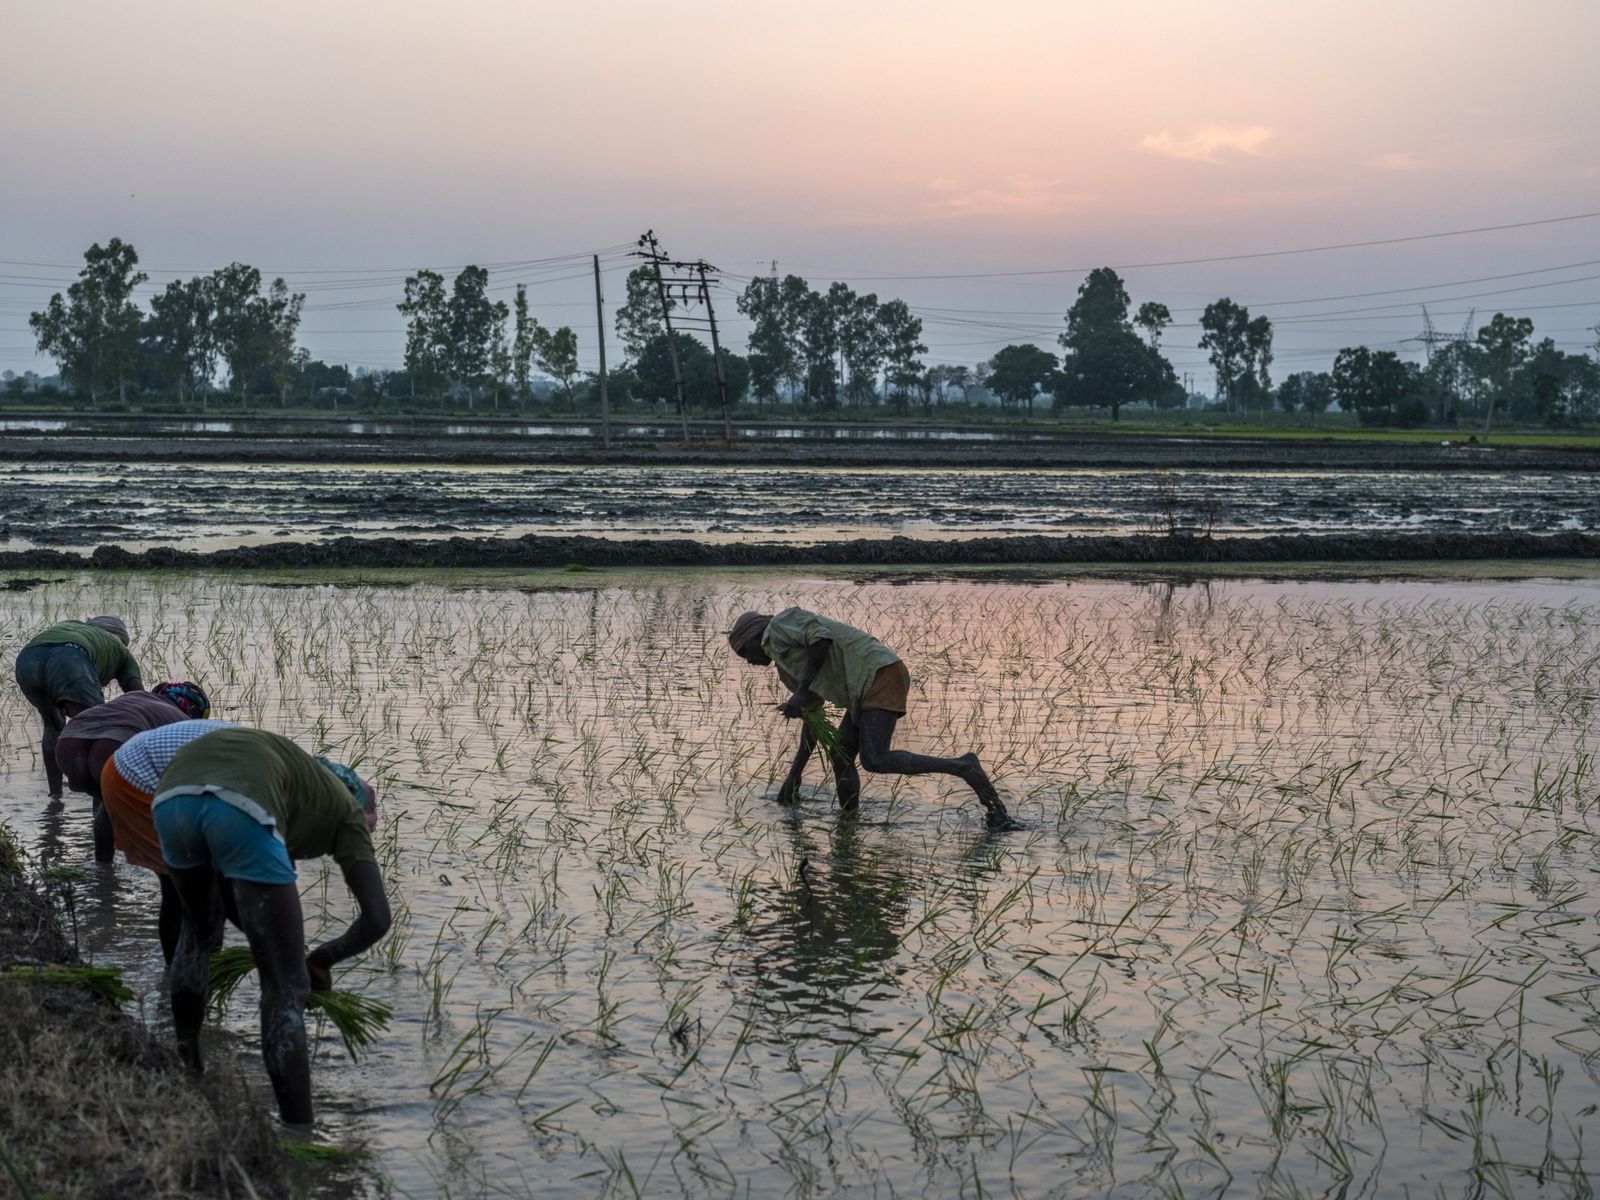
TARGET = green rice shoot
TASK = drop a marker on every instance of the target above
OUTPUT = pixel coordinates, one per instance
(358, 1019)
(105, 983)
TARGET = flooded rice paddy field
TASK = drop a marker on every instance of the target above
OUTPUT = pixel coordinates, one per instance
(213, 506)
(1306, 904)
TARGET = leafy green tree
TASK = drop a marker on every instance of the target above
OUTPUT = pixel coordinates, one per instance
(1016, 374)
(240, 320)
(1503, 345)
(558, 356)
(1153, 317)
(1375, 385)
(180, 335)
(899, 335)
(470, 316)
(771, 348)
(93, 334)
(640, 318)
(1104, 362)
(1227, 339)
(1560, 387)
(500, 364)
(522, 344)
(654, 372)
(280, 314)
(1306, 391)
(821, 346)
(426, 309)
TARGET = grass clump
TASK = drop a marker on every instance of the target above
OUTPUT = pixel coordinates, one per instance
(103, 983)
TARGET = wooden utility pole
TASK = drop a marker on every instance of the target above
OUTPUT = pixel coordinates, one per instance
(600, 340)
(655, 256)
(716, 350)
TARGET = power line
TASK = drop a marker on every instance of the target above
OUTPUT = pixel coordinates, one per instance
(1218, 258)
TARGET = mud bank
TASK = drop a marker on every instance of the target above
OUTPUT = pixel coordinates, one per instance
(534, 552)
(93, 1105)
(1064, 449)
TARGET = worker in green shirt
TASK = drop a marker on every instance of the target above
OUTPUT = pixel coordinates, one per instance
(821, 659)
(245, 805)
(65, 669)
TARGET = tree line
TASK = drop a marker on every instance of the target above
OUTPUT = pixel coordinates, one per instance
(100, 339)
(819, 348)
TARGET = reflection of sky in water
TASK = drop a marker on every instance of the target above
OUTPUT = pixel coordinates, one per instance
(1294, 849)
(210, 506)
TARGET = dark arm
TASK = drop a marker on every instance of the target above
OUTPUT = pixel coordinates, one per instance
(789, 792)
(129, 677)
(816, 656)
(365, 882)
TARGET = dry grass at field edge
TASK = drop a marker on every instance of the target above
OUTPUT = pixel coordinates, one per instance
(91, 1105)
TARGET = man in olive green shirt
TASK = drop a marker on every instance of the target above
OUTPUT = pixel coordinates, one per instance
(63, 670)
(821, 659)
(244, 804)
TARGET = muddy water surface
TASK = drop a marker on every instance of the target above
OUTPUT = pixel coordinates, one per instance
(204, 506)
(1306, 904)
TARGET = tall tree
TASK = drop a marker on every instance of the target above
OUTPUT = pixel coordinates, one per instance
(241, 324)
(1227, 338)
(426, 309)
(1018, 373)
(1104, 362)
(1503, 344)
(900, 335)
(1374, 384)
(280, 315)
(770, 346)
(180, 332)
(640, 317)
(558, 357)
(522, 344)
(821, 342)
(93, 334)
(500, 364)
(471, 317)
(1153, 317)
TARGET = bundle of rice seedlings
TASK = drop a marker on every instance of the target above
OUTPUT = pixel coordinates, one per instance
(825, 733)
(358, 1019)
(229, 966)
(102, 982)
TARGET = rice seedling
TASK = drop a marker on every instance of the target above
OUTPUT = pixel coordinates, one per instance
(1307, 861)
(359, 1020)
(104, 983)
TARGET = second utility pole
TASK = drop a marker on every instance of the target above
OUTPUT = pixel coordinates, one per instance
(600, 338)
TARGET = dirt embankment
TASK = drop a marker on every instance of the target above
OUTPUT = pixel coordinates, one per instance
(536, 551)
(1083, 450)
(93, 1105)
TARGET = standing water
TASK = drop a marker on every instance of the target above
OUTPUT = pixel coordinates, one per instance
(1304, 906)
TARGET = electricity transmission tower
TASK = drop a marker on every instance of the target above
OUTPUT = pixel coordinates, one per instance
(694, 282)
(1435, 341)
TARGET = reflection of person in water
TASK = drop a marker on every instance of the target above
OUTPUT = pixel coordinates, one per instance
(837, 919)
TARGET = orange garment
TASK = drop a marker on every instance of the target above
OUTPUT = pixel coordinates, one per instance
(131, 824)
(890, 690)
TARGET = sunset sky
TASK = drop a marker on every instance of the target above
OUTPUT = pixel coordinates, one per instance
(345, 144)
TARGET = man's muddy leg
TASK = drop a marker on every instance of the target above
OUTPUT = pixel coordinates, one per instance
(846, 779)
(54, 722)
(879, 756)
(270, 915)
(190, 969)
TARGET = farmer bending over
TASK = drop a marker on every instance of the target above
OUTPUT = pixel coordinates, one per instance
(94, 735)
(820, 659)
(64, 671)
(127, 784)
(245, 804)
